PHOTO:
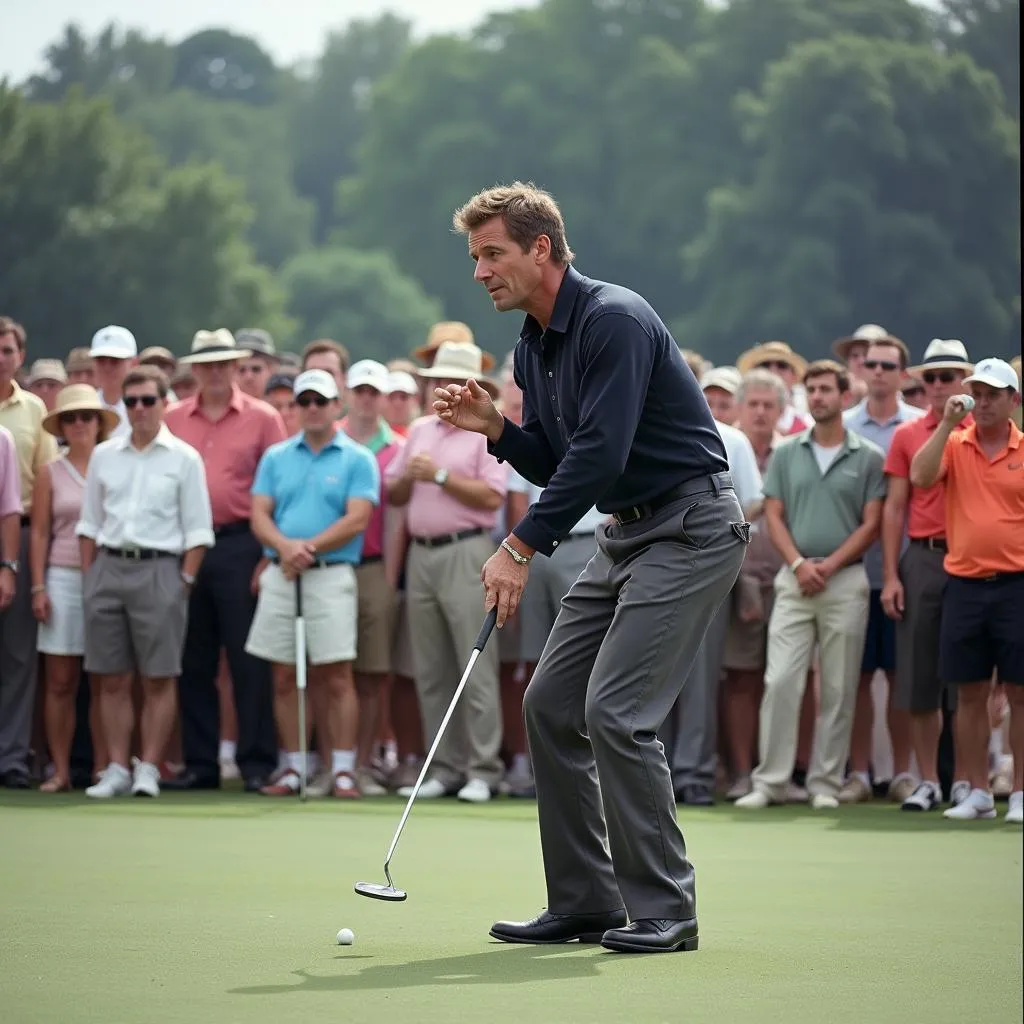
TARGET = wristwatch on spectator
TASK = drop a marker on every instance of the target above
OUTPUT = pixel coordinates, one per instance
(441, 477)
(10, 563)
(188, 579)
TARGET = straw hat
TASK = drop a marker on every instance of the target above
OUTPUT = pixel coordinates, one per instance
(47, 369)
(76, 397)
(159, 356)
(449, 330)
(944, 354)
(78, 361)
(459, 360)
(214, 347)
(864, 335)
(771, 351)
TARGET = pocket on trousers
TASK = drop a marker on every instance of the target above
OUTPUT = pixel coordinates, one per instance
(695, 537)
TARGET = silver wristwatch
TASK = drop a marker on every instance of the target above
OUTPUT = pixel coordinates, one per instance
(12, 564)
(441, 477)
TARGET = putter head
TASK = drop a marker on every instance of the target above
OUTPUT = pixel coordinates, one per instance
(376, 891)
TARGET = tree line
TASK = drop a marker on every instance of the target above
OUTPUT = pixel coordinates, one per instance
(758, 169)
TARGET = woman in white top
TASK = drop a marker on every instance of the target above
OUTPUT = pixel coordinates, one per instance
(80, 421)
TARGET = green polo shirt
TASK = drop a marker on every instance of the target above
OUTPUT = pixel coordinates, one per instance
(821, 511)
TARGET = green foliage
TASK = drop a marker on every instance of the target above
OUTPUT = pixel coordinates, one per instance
(103, 233)
(360, 298)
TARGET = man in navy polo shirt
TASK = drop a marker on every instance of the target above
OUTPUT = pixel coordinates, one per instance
(311, 501)
(612, 417)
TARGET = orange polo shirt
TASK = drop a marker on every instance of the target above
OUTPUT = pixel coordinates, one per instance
(984, 505)
(926, 509)
(231, 448)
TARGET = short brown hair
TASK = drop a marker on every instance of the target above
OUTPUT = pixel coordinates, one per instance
(8, 325)
(143, 375)
(527, 213)
(326, 345)
(821, 367)
(890, 342)
(695, 361)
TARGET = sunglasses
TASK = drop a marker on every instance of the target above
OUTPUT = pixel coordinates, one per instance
(884, 364)
(931, 376)
(305, 401)
(146, 400)
(774, 364)
(67, 418)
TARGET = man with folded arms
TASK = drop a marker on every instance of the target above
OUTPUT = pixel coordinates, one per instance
(311, 502)
(146, 524)
(983, 469)
(231, 431)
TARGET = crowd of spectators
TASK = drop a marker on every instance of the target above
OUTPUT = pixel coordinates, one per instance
(159, 514)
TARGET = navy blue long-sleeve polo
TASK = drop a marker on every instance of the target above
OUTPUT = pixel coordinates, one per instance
(612, 415)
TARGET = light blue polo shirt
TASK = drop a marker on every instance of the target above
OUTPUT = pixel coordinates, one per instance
(311, 489)
(879, 432)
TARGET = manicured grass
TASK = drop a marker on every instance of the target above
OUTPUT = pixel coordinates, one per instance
(222, 908)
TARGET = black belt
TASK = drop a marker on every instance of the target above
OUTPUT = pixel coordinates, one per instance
(996, 577)
(931, 543)
(318, 563)
(139, 554)
(228, 529)
(716, 482)
(26, 520)
(371, 559)
(448, 538)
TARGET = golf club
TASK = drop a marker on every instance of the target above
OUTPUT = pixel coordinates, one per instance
(389, 892)
(300, 683)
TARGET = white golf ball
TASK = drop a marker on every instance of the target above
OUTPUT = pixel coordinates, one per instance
(346, 937)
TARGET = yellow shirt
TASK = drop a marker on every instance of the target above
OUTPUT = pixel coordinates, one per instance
(22, 414)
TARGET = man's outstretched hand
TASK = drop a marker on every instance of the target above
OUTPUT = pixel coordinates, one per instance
(468, 407)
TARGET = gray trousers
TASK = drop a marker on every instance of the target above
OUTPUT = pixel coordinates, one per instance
(18, 661)
(690, 733)
(605, 683)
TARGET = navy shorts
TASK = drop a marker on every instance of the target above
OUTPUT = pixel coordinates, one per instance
(981, 629)
(879, 640)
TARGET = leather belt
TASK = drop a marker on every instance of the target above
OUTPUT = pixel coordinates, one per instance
(714, 482)
(139, 554)
(228, 529)
(444, 539)
(371, 559)
(932, 543)
(319, 563)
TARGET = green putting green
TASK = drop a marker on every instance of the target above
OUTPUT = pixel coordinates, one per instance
(223, 908)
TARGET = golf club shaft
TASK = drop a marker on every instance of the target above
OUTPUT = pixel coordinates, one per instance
(481, 640)
(300, 683)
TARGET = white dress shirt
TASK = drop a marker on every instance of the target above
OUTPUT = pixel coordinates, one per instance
(746, 477)
(151, 498)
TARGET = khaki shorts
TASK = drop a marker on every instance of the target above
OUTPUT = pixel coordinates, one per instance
(376, 619)
(746, 643)
(135, 616)
(328, 606)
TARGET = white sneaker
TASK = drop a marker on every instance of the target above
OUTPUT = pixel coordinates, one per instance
(146, 781)
(824, 802)
(755, 800)
(368, 785)
(979, 804)
(1015, 812)
(229, 769)
(926, 797)
(430, 790)
(320, 784)
(476, 791)
(796, 794)
(739, 789)
(114, 780)
(959, 793)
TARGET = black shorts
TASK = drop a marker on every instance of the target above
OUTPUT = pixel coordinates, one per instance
(879, 640)
(982, 629)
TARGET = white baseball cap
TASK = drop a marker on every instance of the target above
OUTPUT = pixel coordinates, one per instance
(371, 373)
(400, 380)
(114, 343)
(727, 378)
(996, 373)
(319, 381)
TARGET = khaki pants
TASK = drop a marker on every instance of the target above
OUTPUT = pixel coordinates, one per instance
(445, 606)
(837, 619)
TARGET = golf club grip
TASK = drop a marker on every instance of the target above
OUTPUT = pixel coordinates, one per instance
(485, 629)
(298, 596)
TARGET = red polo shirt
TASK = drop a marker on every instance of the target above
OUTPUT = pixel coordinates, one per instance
(231, 448)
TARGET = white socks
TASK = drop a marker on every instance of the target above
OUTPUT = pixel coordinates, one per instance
(343, 761)
(228, 749)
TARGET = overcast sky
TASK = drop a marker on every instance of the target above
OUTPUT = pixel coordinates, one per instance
(288, 29)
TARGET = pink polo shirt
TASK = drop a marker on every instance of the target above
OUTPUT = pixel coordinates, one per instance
(10, 478)
(431, 511)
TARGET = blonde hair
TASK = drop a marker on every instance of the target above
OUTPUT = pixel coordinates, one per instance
(527, 212)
